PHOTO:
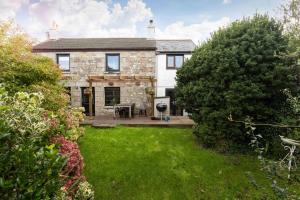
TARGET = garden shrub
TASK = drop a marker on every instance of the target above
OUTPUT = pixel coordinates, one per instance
(33, 115)
(282, 174)
(62, 194)
(290, 17)
(241, 70)
(72, 171)
(29, 164)
(22, 70)
(85, 191)
(36, 160)
(69, 120)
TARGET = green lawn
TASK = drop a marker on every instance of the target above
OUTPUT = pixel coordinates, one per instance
(163, 163)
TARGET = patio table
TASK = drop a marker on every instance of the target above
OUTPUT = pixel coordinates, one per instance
(123, 106)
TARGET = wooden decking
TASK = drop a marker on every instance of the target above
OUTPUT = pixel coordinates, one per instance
(110, 122)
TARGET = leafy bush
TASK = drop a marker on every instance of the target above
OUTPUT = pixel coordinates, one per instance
(29, 164)
(33, 111)
(290, 11)
(72, 171)
(62, 194)
(239, 71)
(23, 71)
(69, 120)
(85, 191)
(283, 175)
(36, 160)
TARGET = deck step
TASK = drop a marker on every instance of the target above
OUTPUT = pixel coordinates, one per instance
(86, 122)
(97, 125)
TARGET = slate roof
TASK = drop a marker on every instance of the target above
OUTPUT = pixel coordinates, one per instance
(95, 44)
(78, 44)
(175, 45)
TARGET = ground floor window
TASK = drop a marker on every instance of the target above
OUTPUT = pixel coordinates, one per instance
(112, 96)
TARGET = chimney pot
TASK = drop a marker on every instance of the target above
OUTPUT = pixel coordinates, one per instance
(48, 35)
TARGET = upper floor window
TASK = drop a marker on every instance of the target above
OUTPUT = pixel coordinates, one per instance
(63, 60)
(174, 61)
(112, 62)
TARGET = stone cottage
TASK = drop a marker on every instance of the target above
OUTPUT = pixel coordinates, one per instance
(120, 69)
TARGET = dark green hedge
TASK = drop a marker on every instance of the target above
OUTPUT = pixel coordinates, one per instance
(242, 71)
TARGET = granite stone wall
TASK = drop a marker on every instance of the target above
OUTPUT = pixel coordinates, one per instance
(82, 64)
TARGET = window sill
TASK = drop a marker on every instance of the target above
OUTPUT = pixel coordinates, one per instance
(172, 68)
(108, 107)
(112, 72)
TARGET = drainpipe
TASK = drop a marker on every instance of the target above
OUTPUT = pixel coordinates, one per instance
(152, 96)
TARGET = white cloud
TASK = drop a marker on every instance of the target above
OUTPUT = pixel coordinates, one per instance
(87, 18)
(8, 8)
(92, 18)
(197, 32)
(227, 1)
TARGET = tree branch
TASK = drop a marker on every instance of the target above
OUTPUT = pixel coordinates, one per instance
(262, 124)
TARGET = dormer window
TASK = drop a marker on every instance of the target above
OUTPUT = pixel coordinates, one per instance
(113, 62)
(174, 61)
(63, 60)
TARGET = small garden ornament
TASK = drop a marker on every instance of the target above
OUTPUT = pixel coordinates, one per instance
(289, 160)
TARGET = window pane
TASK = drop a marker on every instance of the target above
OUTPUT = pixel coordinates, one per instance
(64, 62)
(112, 96)
(109, 93)
(170, 61)
(178, 61)
(113, 63)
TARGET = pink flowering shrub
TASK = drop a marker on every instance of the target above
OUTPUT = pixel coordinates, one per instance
(72, 171)
(36, 153)
(66, 131)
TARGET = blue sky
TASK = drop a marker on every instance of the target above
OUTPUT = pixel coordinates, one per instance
(194, 19)
(191, 11)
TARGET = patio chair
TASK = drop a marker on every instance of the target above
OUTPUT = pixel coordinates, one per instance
(143, 109)
(124, 113)
(117, 112)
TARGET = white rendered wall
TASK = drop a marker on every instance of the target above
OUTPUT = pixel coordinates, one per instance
(165, 77)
